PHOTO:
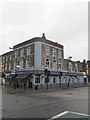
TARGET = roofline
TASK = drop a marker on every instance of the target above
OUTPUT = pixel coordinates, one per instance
(73, 61)
(7, 53)
(37, 39)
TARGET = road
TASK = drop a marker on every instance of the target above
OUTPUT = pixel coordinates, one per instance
(43, 103)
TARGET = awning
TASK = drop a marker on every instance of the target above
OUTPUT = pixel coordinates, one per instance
(11, 76)
(23, 76)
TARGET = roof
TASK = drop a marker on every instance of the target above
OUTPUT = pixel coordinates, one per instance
(38, 39)
(7, 53)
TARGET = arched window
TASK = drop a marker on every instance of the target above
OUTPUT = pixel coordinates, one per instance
(54, 64)
(28, 63)
(47, 62)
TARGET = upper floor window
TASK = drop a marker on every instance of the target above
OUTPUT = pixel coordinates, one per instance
(3, 59)
(87, 66)
(6, 58)
(9, 67)
(54, 64)
(21, 64)
(5, 66)
(54, 52)
(59, 54)
(76, 67)
(10, 57)
(87, 72)
(16, 54)
(22, 52)
(70, 66)
(28, 50)
(47, 50)
(47, 63)
(59, 63)
(28, 63)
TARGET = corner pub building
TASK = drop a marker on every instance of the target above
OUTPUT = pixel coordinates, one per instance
(35, 56)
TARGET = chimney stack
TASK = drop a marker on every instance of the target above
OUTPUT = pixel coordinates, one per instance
(43, 35)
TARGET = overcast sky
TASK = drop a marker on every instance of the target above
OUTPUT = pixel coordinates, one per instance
(62, 21)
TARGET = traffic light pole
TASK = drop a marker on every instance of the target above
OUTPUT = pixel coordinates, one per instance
(47, 81)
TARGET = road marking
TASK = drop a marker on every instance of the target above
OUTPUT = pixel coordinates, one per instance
(79, 113)
(65, 112)
(59, 115)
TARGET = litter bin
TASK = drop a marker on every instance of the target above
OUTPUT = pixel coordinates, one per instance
(36, 87)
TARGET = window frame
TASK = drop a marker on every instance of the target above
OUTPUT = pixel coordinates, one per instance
(28, 50)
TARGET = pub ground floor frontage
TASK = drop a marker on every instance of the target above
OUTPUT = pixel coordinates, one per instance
(37, 79)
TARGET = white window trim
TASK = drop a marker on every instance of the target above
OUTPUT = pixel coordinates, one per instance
(22, 52)
(28, 51)
(49, 63)
(52, 64)
(54, 50)
(27, 67)
(60, 56)
(47, 54)
(21, 63)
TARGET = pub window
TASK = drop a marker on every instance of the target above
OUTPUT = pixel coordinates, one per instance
(54, 64)
(54, 80)
(59, 63)
(76, 67)
(47, 50)
(6, 58)
(9, 67)
(10, 57)
(54, 52)
(59, 54)
(28, 63)
(28, 50)
(16, 54)
(3, 59)
(5, 66)
(22, 52)
(21, 64)
(70, 66)
(37, 79)
(47, 63)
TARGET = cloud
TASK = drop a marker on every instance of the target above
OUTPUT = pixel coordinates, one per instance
(63, 21)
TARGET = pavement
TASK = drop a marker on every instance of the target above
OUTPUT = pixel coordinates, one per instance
(43, 103)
